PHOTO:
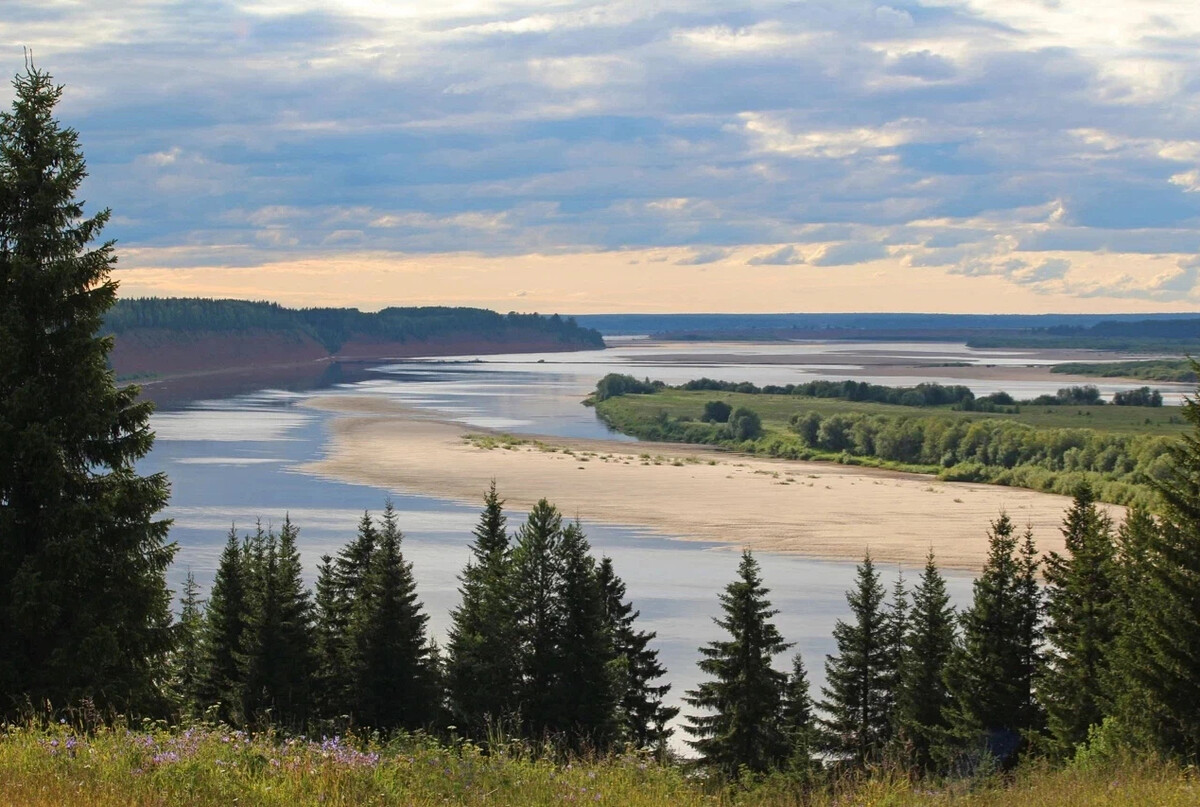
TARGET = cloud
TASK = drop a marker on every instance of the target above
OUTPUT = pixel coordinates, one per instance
(848, 254)
(945, 136)
(784, 256)
(703, 256)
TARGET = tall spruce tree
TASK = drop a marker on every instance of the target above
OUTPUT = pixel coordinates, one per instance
(637, 668)
(389, 655)
(798, 720)
(225, 620)
(339, 586)
(187, 659)
(482, 665)
(991, 673)
(895, 628)
(1140, 717)
(1169, 672)
(586, 697)
(84, 606)
(1081, 624)
(856, 696)
(740, 725)
(537, 578)
(922, 698)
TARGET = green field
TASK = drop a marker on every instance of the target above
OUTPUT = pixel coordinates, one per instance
(1050, 448)
(216, 767)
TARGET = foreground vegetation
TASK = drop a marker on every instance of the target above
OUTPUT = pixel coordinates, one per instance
(215, 767)
(1048, 447)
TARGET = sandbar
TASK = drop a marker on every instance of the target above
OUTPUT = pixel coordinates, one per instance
(820, 510)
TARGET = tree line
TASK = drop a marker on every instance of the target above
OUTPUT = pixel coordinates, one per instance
(543, 647)
(333, 327)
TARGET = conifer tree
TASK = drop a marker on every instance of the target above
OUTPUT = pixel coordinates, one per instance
(1140, 716)
(637, 667)
(537, 577)
(856, 694)
(586, 698)
(225, 621)
(895, 629)
(1169, 672)
(798, 721)
(741, 727)
(482, 666)
(991, 673)
(339, 586)
(390, 658)
(330, 623)
(922, 699)
(84, 605)
(187, 659)
(1082, 622)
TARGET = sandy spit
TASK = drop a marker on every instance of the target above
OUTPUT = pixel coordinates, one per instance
(820, 510)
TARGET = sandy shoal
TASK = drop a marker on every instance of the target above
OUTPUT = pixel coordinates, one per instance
(821, 510)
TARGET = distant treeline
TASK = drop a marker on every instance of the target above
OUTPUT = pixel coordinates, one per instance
(333, 327)
(930, 394)
(1147, 334)
(1154, 370)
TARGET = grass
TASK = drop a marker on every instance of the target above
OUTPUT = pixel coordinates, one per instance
(777, 410)
(43, 766)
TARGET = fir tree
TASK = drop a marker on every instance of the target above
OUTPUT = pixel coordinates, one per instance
(637, 667)
(798, 722)
(389, 656)
(188, 658)
(1081, 613)
(537, 577)
(1169, 673)
(330, 676)
(922, 698)
(225, 621)
(482, 666)
(856, 695)
(895, 629)
(84, 605)
(991, 674)
(742, 701)
(586, 699)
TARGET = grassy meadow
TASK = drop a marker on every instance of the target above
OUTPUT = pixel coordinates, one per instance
(215, 766)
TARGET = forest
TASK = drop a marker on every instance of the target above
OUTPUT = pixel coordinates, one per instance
(1067, 679)
(332, 327)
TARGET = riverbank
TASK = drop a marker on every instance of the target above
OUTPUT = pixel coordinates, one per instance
(820, 510)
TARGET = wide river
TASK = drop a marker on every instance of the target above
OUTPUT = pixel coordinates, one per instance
(232, 461)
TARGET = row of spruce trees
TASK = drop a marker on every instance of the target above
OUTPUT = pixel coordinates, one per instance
(543, 647)
(1105, 652)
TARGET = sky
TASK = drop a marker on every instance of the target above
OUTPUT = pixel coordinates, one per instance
(639, 155)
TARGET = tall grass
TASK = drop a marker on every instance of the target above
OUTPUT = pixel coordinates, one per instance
(56, 765)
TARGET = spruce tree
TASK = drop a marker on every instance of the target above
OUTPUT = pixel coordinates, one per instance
(187, 659)
(482, 665)
(922, 698)
(586, 699)
(389, 656)
(225, 621)
(856, 694)
(537, 578)
(740, 726)
(895, 628)
(798, 721)
(1081, 624)
(1170, 625)
(84, 605)
(991, 673)
(637, 668)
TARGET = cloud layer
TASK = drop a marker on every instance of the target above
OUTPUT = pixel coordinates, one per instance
(1027, 141)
